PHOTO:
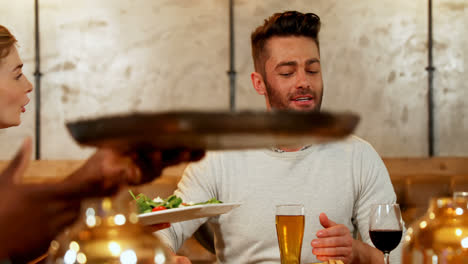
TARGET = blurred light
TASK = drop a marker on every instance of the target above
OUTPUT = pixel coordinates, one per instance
(110, 220)
(114, 248)
(159, 258)
(74, 246)
(81, 258)
(90, 212)
(435, 259)
(440, 203)
(459, 211)
(107, 204)
(98, 220)
(91, 221)
(119, 219)
(113, 232)
(464, 242)
(133, 218)
(70, 257)
(458, 232)
(432, 216)
(54, 245)
(423, 224)
(128, 257)
(407, 238)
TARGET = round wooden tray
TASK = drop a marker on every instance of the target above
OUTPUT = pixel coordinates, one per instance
(213, 130)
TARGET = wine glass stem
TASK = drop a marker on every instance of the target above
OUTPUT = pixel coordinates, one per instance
(387, 258)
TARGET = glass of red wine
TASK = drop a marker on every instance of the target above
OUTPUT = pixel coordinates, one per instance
(385, 227)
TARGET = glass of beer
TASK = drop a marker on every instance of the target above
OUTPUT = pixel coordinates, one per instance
(290, 231)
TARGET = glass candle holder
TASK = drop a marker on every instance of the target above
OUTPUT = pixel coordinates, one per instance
(108, 232)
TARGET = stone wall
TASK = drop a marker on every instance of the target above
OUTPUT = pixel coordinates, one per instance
(117, 56)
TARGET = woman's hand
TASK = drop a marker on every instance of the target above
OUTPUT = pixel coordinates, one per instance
(108, 169)
(31, 215)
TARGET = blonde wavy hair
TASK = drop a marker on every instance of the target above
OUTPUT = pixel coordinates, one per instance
(7, 40)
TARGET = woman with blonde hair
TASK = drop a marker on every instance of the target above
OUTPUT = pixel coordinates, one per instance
(31, 215)
(14, 86)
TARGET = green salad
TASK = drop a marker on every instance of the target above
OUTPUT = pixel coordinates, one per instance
(147, 205)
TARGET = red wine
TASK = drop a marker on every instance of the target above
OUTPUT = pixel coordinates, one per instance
(385, 240)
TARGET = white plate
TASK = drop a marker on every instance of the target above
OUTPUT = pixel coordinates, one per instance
(186, 213)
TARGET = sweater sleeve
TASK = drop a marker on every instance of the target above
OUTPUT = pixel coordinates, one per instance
(374, 187)
(196, 185)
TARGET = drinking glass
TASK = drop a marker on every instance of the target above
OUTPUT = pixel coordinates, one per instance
(290, 231)
(385, 227)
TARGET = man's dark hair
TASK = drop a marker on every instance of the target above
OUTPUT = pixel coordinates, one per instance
(289, 23)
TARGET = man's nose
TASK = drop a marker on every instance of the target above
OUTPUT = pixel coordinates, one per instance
(301, 81)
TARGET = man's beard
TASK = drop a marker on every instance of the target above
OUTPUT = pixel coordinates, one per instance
(276, 102)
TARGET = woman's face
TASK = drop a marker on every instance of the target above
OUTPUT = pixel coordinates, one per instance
(14, 87)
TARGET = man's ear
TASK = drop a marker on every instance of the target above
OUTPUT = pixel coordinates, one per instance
(258, 83)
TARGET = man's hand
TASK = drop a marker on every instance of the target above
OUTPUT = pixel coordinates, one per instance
(333, 242)
(181, 260)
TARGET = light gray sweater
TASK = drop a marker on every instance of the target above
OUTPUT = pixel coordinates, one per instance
(342, 179)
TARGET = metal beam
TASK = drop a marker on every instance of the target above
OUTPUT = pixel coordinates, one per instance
(430, 73)
(37, 80)
(232, 67)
